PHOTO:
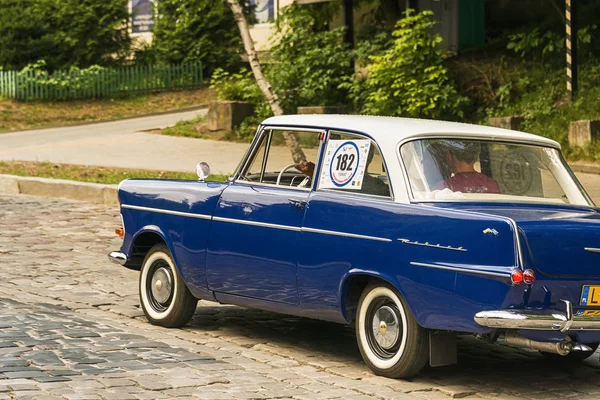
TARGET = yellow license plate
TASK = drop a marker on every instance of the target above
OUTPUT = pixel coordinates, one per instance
(588, 313)
(590, 296)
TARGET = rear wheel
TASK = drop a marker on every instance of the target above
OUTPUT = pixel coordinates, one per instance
(165, 299)
(391, 342)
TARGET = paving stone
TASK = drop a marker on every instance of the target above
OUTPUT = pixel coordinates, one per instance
(62, 372)
(47, 379)
(24, 374)
(18, 387)
(151, 383)
(117, 382)
(71, 314)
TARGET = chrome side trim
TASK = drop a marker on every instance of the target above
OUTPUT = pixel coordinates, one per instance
(517, 238)
(298, 229)
(435, 246)
(117, 257)
(261, 224)
(463, 270)
(592, 249)
(170, 212)
(352, 235)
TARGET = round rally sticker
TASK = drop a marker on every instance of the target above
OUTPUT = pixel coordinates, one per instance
(344, 164)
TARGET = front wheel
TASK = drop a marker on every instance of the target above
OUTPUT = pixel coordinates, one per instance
(391, 342)
(165, 299)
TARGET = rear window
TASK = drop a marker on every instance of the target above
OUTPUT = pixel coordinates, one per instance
(477, 170)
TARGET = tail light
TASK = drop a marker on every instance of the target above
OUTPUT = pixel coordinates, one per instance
(528, 276)
(516, 277)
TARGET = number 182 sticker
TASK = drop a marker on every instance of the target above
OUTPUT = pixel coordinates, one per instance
(344, 164)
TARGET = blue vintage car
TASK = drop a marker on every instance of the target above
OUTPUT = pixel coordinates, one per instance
(412, 230)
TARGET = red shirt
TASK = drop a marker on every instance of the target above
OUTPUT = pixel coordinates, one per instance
(469, 182)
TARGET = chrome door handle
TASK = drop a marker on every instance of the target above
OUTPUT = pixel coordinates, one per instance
(298, 203)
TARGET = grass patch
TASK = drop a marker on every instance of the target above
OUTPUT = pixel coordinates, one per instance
(17, 115)
(197, 128)
(93, 174)
(193, 128)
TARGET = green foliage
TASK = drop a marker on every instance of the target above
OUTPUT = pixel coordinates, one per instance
(197, 30)
(309, 61)
(409, 78)
(535, 44)
(544, 105)
(306, 67)
(65, 33)
(78, 79)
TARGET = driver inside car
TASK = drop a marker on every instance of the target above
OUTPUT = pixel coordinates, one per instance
(370, 185)
(461, 157)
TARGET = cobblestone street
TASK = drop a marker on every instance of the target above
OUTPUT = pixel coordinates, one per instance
(71, 328)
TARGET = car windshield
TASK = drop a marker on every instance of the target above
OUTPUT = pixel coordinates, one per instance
(477, 170)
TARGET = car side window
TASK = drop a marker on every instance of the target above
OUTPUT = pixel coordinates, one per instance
(274, 163)
(352, 163)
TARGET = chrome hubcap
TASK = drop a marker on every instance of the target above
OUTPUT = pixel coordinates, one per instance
(161, 285)
(385, 327)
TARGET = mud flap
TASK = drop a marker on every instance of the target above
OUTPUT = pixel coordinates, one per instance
(442, 348)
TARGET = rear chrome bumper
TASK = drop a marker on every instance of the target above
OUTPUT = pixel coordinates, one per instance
(117, 257)
(539, 320)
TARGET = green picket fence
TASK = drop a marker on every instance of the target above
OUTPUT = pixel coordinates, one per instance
(94, 83)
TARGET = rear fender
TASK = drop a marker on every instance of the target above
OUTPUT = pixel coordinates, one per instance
(354, 273)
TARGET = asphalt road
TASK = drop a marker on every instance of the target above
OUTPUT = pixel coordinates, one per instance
(122, 144)
(71, 328)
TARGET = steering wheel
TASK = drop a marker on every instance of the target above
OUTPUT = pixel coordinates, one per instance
(283, 171)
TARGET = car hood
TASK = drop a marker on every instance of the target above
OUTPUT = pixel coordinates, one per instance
(558, 241)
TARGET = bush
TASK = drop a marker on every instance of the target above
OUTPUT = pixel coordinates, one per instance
(409, 79)
(309, 62)
(77, 79)
(65, 33)
(197, 30)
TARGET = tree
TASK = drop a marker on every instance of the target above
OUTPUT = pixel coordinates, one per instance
(197, 30)
(261, 80)
(64, 33)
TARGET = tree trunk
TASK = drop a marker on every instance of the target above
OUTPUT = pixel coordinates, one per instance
(261, 80)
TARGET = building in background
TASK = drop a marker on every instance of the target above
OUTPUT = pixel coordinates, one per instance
(461, 22)
(142, 20)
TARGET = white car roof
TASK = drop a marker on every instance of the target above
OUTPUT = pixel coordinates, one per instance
(389, 131)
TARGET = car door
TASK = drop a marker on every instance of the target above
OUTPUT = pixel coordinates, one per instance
(254, 238)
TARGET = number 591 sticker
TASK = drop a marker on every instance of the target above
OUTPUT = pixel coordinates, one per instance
(344, 164)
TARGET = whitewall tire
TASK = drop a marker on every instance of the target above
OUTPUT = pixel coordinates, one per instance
(391, 342)
(165, 299)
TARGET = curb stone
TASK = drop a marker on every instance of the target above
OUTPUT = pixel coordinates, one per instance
(586, 168)
(107, 194)
(74, 190)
